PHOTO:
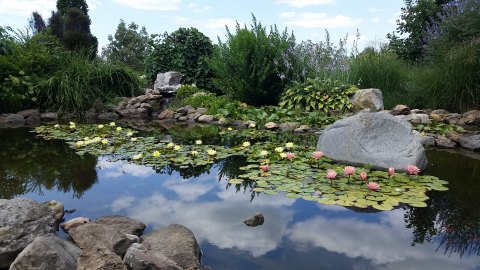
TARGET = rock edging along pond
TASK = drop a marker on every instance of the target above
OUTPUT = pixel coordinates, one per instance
(109, 242)
(298, 171)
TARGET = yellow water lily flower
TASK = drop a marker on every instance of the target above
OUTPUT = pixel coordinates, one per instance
(96, 139)
(156, 154)
(283, 155)
(112, 124)
(129, 134)
(263, 153)
(118, 128)
(289, 144)
(80, 143)
(229, 129)
(170, 145)
(133, 139)
(71, 123)
(198, 142)
(194, 153)
(252, 125)
(86, 138)
(104, 141)
(211, 152)
(56, 125)
(100, 126)
(279, 149)
(246, 144)
(137, 156)
(177, 148)
(72, 126)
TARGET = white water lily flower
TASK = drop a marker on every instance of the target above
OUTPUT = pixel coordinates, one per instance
(177, 148)
(263, 153)
(118, 128)
(133, 139)
(289, 144)
(80, 143)
(198, 142)
(104, 141)
(211, 152)
(56, 125)
(283, 155)
(170, 145)
(100, 126)
(129, 134)
(279, 149)
(137, 156)
(246, 144)
(194, 153)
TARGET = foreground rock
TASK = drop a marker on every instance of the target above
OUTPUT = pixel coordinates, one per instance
(367, 99)
(100, 259)
(378, 139)
(46, 253)
(21, 221)
(173, 247)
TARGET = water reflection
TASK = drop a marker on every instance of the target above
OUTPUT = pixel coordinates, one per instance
(30, 165)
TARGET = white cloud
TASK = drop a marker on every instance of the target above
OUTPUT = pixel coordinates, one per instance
(318, 20)
(120, 168)
(191, 190)
(304, 3)
(198, 8)
(26, 7)
(212, 24)
(122, 203)
(374, 10)
(375, 19)
(151, 4)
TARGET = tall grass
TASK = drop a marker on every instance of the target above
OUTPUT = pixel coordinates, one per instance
(78, 81)
(383, 70)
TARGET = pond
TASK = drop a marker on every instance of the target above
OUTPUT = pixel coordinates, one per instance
(297, 233)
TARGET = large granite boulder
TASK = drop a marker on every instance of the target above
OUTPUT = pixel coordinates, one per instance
(378, 139)
(123, 224)
(48, 252)
(173, 247)
(168, 82)
(100, 258)
(21, 221)
(471, 142)
(367, 99)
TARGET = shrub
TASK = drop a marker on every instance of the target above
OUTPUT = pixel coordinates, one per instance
(206, 100)
(186, 91)
(248, 65)
(318, 94)
(383, 70)
(186, 51)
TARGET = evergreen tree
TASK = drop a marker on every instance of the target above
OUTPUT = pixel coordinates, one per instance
(64, 5)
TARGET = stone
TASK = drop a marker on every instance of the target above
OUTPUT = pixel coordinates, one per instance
(416, 118)
(29, 112)
(439, 115)
(139, 257)
(177, 243)
(444, 142)
(452, 118)
(270, 125)
(123, 224)
(304, 128)
(100, 259)
(94, 235)
(289, 126)
(75, 222)
(186, 110)
(250, 124)
(370, 99)
(21, 221)
(49, 117)
(194, 116)
(168, 82)
(379, 139)
(152, 92)
(418, 111)
(57, 209)
(46, 253)
(470, 142)
(470, 118)
(426, 140)
(108, 116)
(254, 221)
(15, 119)
(205, 118)
(166, 114)
(400, 109)
(453, 135)
(33, 119)
(223, 121)
(298, 130)
(145, 106)
(201, 110)
(440, 112)
(99, 106)
(138, 113)
(183, 118)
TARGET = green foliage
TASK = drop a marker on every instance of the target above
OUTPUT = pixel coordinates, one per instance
(318, 94)
(206, 100)
(16, 92)
(186, 50)
(383, 70)
(64, 5)
(6, 42)
(186, 91)
(248, 65)
(438, 128)
(128, 46)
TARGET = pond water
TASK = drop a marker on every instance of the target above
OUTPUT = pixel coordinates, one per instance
(297, 234)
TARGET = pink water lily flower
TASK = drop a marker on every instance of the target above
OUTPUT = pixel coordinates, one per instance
(331, 174)
(412, 169)
(317, 154)
(349, 170)
(265, 168)
(391, 171)
(363, 176)
(291, 155)
(373, 186)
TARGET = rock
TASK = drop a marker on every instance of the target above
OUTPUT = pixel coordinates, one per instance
(379, 139)
(139, 257)
(201, 110)
(289, 126)
(418, 111)
(166, 114)
(271, 125)
(186, 110)
(453, 135)
(75, 222)
(145, 106)
(98, 106)
(57, 209)
(152, 92)
(100, 259)
(108, 116)
(175, 242)
(400, 109)
(15, 119)
(415, 118)
(470, 118)
(21, 221)
(452, 118)
(444, 142)
(137, 113)
(250, 123)
(222, 121)
(205, 118)
(254, 221)
(93, 235)
(182, 118)
(298, 130)
(439, 115)
(47, 252)
(426, 140)
(471, 142)
(440, 111)
(123, 224)
(194, 116)
(29, 112)
(304, 128)
(370, 99)
(168, 82)
(49, 117)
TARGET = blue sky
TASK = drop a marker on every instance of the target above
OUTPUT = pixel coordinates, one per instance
(308, 19)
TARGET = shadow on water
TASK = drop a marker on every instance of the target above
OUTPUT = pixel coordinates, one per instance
(30, 165)
(452, 218)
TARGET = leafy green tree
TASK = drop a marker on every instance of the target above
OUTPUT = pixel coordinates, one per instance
(64, 5)
(248, 66)
(129, 46)
(186, 50)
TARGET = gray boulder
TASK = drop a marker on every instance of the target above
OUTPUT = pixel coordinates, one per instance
(57, 208)
(100, 258)
(470, 118)
(378, 139)
(49, 117)
(444, 142)
(254, 221)
(140, 257)
(48, 252)
(205, 118)
(21, 221)
(367, 99)
(15, 119)
(471, 142)
(168, 82)
(123, 224)
(289, 126)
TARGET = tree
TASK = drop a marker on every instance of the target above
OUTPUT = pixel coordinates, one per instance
(64, 5)
(129, 46)
(77, 35)
(37, 24)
